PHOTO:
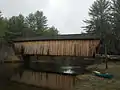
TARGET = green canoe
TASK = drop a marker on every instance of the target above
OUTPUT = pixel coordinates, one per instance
(103, 75)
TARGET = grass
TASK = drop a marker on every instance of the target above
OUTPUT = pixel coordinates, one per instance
(92, 82)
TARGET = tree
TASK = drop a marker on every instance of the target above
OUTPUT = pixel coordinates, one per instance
(100, 22)
(52, 31)
(116, 18)
(3, 26)
(16, 25)
(30, 26)
(37, 22)
(116, 22)
(114, 34)
(27, 32)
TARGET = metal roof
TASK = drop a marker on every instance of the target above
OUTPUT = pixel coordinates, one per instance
(59, 37)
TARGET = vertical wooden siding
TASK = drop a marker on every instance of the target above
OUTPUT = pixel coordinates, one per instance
(64, 47)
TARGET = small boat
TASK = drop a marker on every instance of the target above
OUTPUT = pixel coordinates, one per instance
(103, 75)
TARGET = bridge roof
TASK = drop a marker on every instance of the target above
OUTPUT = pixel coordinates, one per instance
(59, 37)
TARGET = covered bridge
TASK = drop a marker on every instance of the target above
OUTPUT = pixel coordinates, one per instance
(61, 45)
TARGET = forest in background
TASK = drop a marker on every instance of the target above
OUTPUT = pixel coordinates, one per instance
(35, 24)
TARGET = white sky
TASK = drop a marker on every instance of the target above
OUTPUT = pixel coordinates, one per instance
(66, 15)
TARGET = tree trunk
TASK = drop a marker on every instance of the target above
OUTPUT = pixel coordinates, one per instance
(106, 59)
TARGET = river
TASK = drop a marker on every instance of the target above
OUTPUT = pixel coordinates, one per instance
(6, 71)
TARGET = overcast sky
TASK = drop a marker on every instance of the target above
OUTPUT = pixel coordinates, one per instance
(66, 15)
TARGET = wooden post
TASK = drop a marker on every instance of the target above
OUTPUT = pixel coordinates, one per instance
(106, 59)
(26, 61)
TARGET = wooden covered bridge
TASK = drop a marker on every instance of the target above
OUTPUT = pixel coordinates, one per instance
(61, 45)
(55, 61)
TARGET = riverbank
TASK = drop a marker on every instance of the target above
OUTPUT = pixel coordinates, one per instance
(91, 82)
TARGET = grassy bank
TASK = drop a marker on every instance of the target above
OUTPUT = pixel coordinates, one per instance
(92, 82)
